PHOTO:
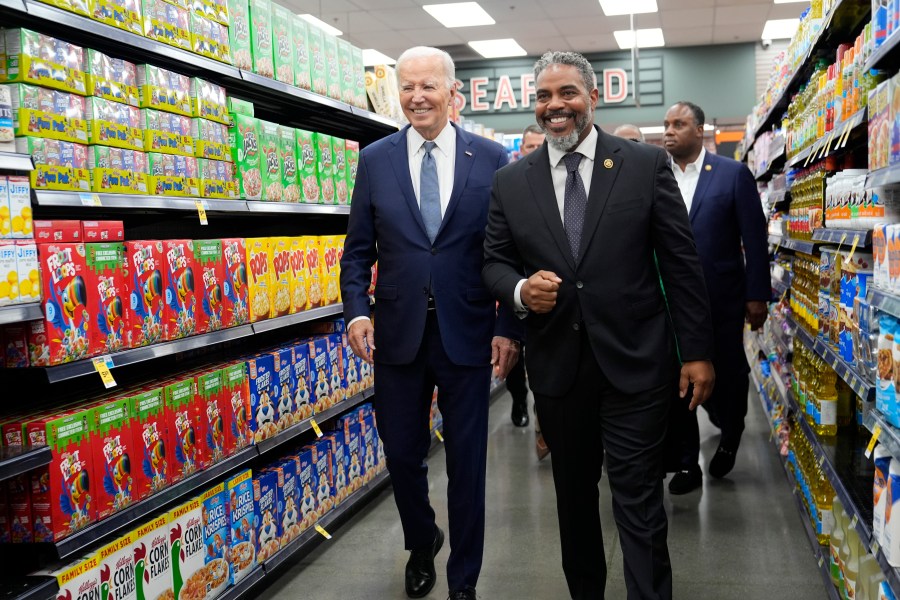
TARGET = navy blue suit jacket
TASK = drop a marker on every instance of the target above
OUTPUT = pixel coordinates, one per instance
(386, 225)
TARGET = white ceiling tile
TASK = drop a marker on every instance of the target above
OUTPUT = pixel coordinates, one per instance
(688, 36)
(441, 36)
(599, 42)
(514, 10)
(364, 21)
(687, 18)
(569, 26)
(731, 34)
(684, 4)
(383, 4)
(317, 7)
(537, 46)
(736, 15)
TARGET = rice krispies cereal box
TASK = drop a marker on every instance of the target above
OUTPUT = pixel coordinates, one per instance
(345, 71)
(259, 285)
(303, 402)
(47, 113)
(151, 432)
(300, 42)
(124, 14)
(105, 276)
(288, 154)
(330, 247)
(351, 158)
(280, 275)
(261, 37)
(286, 494)
(267, 522)
(339, 151)
(307, 170)
(166, 23)
(145, 282)
(234, 286)
(185, 428)
(190, 577)
(285, 386)
(239, 34)
(33, 57)
(166, 132)
(210, 39)
(181, 289)
(323, 471)
(210, 268)
(117, 577)
(283, 43)
(236, 398)
(320, 374)
(318, 65)
(114, 124)
(58, 165)
(243, 138)
(261, 378)
(9, 285)
(153, 559)
(68, 301)
(79, 579)
(113, 453)
(111, 78)
(297, 262)
(38, 345)
(20, 215)
(315, 284)
(332, 66)
(325, 168)
(270, 162)
(216, 530)
(359, 74)
(242, 541)
(165, 90)
(306, 488)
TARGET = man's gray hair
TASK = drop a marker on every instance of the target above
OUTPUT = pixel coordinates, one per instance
(426, 52)
(573, 59)
(533, 128)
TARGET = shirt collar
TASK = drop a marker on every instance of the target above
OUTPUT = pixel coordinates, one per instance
(698, 164)
(587, 147)
(442, 141)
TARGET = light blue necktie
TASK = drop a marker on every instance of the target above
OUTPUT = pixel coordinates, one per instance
(430, 193)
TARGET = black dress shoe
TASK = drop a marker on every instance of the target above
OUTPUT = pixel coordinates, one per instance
(519, 414)
(686, 481)
(722, 463)
(464, 594)
(420, 575)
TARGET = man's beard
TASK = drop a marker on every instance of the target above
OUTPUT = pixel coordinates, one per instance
(566, 143)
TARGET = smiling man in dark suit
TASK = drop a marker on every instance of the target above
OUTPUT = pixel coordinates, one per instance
(420, 208)
(582, 218)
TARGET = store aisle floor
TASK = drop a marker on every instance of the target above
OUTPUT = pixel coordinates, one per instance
(738, 538)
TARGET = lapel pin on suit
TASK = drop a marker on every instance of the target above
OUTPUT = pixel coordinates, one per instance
(708, 168)
(468, 153)
(608, 163)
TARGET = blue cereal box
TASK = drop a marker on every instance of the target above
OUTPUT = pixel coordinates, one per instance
(267, 528)
(287, 499)
(320, 374)
(263, 410)
(285, 387)
(370, 443)
(321, 455)
(338, 466)
(354, 451)
(351, 381)
(302, 398)
(336, 364)
(306, 485)
(214, 515)
(242, 553)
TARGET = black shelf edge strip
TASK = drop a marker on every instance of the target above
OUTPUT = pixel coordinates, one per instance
(21, 312)
(31, 587)
(15, 460)
(862, 237)
(301, 317)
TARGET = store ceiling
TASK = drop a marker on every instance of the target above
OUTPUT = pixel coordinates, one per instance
(391, 26)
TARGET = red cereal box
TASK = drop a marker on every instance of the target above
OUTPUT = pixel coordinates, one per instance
(15, 346)
(331, 268)
(236, 397)
(181, 300)
(105, 275)
(280, 278)
(184, 424)
(209, 390)
(151, 432)
(21, 524)
(57, 231)
(211, 268)
(38, 346)
(314, 284)
(68, 301)
(113, 452)
(144, 281)
(259, 286)
(234, 283)
(103, 231)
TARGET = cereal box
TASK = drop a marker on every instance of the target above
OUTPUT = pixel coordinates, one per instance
(267, 525)
(216, 530)
(352, 380)
(68, 301)
(105, 275)
(27, 61)
(167, 132)
(117, 580)
(209, 390)
(164, 90)
(318, 66)
(330, 246)
(21, 223)
(152, 559)
(208, 258)
(58, 165)
(285, 386)
(269, 144)
(166, 23)
(370, 442)
(144, 281)
(38, 345)
(242, 544)
(243, 138)
(280, 275)
(263, 391)
(323, 472)
(114, 170)
(237, 106)
(325, 167)
(288, 155)
(339, 152)
(307, 170)
(306, 488)
(124, 14)
(881, 277)
(184, 425)
(354, 453)
(9, 274)
(303, 404)
(171, 175)
(103, 231)
(114, 124)
(315, 285)
(351, 158)
(336, 360)
(234, 286)
(297, 263)
(181, 291)
(111, 78)
(347, 81)
(286, 494)
(332, 66)
(5, 522)
(210, 39)
(208, 101)
(217, 179)
(21, 509)
(211, 139)
(259, 282)
(151, 430)
(239, 34)
(190, 578)
(300, 44)
(236, 397)
(261, 37)
(47, 113)
(113, 451)
(320, 374)
(217, 10)
(14, 346)
(359, 74)
(57, 231)
(283, 43)
(78, 579)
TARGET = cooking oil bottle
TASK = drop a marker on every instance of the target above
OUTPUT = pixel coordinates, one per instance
(825, 520)
(836, 542)
(828, 400)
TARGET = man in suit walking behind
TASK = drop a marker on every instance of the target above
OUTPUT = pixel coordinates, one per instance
(582, 217)
(419, 208)
(730, 231)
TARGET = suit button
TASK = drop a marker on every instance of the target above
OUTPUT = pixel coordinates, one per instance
(425, 290)
(434, 250)
(579, 285)
(576, 326)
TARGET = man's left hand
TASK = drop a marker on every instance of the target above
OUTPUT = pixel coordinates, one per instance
(504, 354)
(757, 312)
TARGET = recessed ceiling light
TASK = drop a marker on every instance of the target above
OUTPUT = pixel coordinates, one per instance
(459, 14)
(628, 7)
(498, 48)
(646, 38)
(321, 25)
(780, 29)
(372, 57)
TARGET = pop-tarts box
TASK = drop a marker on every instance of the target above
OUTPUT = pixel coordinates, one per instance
(267, 527)
(885, 394)
(287, 499)
(216, 530)
(320, 374)
(285, 386)
(303, 401)
(881, 276)
(263, 410)
(321, 456)
(242, 543)
(306, 488)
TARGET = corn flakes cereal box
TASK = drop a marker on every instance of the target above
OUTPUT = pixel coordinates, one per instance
(283, 43)
(48, 113)
(105, 276)
(210, 38)
(303, 403)
(38, 346)
(21, 223)
(117, 580)
(152, 559)
(111, 78)
(288, 156)
(69, 485)
(208, 258)
(318, 63)
(307, 170)
(9, 274)
(271, 167)
(261, 37)
(33, 57)
(14, 346)
(306, 488)
(263, 389)
(297, 274)
(259, 282)
(190, 578)
(103, 231)
(166, 23)
(167, 132)
(115, 170)
(331, 268)
(151, 434)
(320, 374)
(336, 360)
(315, 285)
(236, 398)
(57, 231)
(360, 98)
(58, 165)
(216, 530)
(113, 452)
(209, 390)
(323, 473)
(211, 139)
(114, 124)
(20, 509)
(171, 175)
(242, 543)
(351, 158)
(286, 497)
(239, 34)
(164, 90)
(279, 276)
(79, 579)
(332, 66)
(144, 282)
(234, 282)
(300, 43)
(267, 525)
(68, 300)
(243, 138)
(181, 289)
(346, 79)
(124, 14)
(285, 386)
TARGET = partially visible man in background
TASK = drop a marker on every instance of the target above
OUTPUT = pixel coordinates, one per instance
(532, 139)
(629, 132)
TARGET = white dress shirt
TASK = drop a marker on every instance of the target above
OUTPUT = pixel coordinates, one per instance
(444, 159)
(687, 179)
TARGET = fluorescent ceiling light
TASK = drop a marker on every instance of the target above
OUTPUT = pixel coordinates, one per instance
(459, 14)
(646, 38)
(630, 7)
(780, 29)
(659, 129)
(498, 48)
(372, 57)
(321, 25)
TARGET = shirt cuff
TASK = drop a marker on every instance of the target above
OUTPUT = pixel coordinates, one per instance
(352, 321)
(521, 309)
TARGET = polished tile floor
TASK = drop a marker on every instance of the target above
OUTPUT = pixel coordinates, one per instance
(737, 538)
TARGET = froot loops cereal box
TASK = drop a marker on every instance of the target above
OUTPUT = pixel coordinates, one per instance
(236, 395)
(114, 453)
(242, 541)
(181, 288)
(209, 390)
(234, 283)
(185, 428)
(68, 301)
(105, 270)
(211, 272)
(151, 431)
(145, 281)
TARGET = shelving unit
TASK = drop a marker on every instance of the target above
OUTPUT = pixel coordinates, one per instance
(20, 312)
(831, 143)
(32, 587)
(10, 161)
(782, 241)
(15, 460)
(861, 238)
(851, 377)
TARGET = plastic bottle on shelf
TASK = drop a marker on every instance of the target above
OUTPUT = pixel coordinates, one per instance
(827, 399)
(870, 578)
(836, 542)
(851, 566)
(824, 517)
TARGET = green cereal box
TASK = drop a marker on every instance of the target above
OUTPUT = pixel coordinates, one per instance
(332, 67)
(124, 14)
(211, 140)
(42, 112)
(37, 58)
(307, 175)
(167, 23)
(269, 144)
(317, 60)
(164, 90)
(339, 152)
(287, 147)
(345, 70)
(301, 53)
(114, 124)
(261, 37)
(283, 43)
(359, 81)
(238, 107)
(111, 78)
(243, 137)
(239, 34)
(351, 157)
(208, 101)
(325, 168)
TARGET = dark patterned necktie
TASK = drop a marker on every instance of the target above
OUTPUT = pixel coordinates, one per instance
(574, 202)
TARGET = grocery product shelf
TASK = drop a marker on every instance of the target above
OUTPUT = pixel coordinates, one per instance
(889, 436)
(31, 587)
(783, 241)
(779, 287)
(885, 301)
(884, 176)
(20, 312)
(300, 317)
(857, 383)
(255, 206)
(861, 238)
(778, 197)
(774, 162)
(832, 142)
(134, 202)
(15, 460)
(244, 585)
(11, 161)
(886, 55)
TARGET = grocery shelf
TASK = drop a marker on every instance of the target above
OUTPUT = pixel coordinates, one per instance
(11, 161)
(255, 206)
(884, 176)
(832, 142)
(244, 585)
(15, 460)
(885, 301)
(774, 163)
(779, 287)
(31, 587)
(293, 93)
(886, 55)
(777, 197)
(792, 244)
(889, 436)
(140, 202)
(300, 317)
(17, 313)
(861, 238)
(857, 383)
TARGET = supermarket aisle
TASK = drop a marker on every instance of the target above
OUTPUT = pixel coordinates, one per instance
(739, 538)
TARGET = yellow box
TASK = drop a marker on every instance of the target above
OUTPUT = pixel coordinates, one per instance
(122, 14)
(28, 268)
(280, 268)
(118, 181)
(29, 69)
(259, 287)
(331, 274)
(62, 178)
(299, 299)
(315, 286)
(9, 274)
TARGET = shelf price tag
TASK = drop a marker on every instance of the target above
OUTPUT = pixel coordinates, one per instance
(841, 241)
(874, 547)
(437, 434)
(89, 199)
(850, 125)
(202, 207)
(322, 532)
(103, 364)
(828, 145)
(316, 428)
(821, 461)
(854, 521)
(853, 247)
(821, 561)
(875, 433)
